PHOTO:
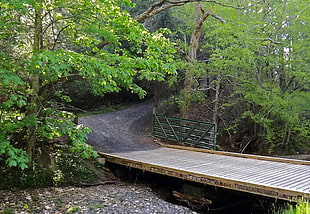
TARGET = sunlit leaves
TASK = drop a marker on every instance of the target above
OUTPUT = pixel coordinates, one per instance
(8, 72)
(95, 40)
(14, 157)
(281, 114)
(260, 58)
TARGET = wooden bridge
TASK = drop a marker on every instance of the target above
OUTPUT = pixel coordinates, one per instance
(273, 177)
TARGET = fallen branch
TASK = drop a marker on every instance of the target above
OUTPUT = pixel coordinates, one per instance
(187, 198)
(82, 184)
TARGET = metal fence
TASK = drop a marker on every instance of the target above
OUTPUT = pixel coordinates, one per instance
(190, 132)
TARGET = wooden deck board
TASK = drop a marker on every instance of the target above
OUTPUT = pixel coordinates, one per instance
(291, 180)
(272, 178)
(271, 175)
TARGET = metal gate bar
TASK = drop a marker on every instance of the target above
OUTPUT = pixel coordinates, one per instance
(190, 132)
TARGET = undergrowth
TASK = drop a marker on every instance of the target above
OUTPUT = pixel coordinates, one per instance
(68, 169)
(302, 207)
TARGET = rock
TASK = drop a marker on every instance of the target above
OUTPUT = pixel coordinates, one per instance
(103, 199)
(47, 207)
(102, 161)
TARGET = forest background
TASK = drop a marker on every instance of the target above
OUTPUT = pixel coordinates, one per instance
(242, 64)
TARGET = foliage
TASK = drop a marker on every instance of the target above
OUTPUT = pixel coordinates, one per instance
(14, 157)
(302, 207)
(280, 115)
(8, 211)
(274, 103)
(252, 71)
(73, 169)
(67, 168)
(36, 176)
(255, 73)
(46, 43)
(11, 118)
(73, 209)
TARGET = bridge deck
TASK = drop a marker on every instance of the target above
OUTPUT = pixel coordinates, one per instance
(273, 177)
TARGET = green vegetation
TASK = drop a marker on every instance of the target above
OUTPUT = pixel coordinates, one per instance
(46, 43)
(303, 207)
(249, 72)
(8, 211)
(66, 168)
(244, 65)
(73, 209)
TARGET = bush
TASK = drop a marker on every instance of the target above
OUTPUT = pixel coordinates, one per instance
(34, 176)
(72, 169)
(303, 207)
(69, 168)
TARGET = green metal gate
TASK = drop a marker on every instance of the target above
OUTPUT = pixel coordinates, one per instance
(190, 132)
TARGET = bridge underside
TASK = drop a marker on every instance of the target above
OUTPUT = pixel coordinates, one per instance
(273, 177)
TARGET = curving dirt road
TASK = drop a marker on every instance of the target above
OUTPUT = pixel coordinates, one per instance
(120, 131)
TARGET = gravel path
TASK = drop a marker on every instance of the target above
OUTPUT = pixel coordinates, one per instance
(121, 131)
(107, 199)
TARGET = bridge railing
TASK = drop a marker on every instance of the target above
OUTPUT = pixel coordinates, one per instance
(189, 132)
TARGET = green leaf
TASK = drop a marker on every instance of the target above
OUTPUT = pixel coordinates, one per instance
(12, 163)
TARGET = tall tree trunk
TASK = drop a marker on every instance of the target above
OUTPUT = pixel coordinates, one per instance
(201, 16)
(35, 83)
(216, 105)
(156, 97)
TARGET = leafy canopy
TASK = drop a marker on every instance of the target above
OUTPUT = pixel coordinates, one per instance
(93, 39)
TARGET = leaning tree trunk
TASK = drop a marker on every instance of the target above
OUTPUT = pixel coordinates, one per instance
(216, 104)
(192, 55)
(35, 84)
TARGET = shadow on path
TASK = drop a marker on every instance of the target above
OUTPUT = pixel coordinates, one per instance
(121, 131)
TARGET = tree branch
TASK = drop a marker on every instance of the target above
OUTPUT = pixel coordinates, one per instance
(195, 37)
(53, 22)
(270, 40)
(58, 36)
(273, 41)
(158, 7)
(221, 19)
(183, 54)
(82, 184)
(162, 5)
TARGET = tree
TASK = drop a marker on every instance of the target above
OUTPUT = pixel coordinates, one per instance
(277, 95)
(255, 67)
(53, 41)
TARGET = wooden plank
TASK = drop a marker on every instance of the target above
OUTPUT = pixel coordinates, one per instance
(257, 157)
(298, 183)
(266, 173)
(259, 173)
(159, 166)
(289, 175)
(230, 167)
